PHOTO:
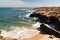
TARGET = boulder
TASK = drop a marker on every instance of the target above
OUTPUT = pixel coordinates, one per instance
(0, 31)
(57, 27)
(53, 20)
(48, 30)
(41, 17)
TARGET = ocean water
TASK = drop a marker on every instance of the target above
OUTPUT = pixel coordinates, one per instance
(15, 17)
(15, 23)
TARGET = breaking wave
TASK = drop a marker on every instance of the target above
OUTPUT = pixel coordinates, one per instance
(14, 18)
(18, 32)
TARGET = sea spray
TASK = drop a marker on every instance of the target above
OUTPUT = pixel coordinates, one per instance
(36, 25)
(12, 17)
(18, 32)
(30, 12)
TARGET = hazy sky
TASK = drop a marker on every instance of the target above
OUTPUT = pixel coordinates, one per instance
(28, 3)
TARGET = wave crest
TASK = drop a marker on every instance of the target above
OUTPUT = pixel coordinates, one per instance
(18, 32)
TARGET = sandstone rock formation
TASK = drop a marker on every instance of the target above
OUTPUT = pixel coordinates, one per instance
(44, 13)
(49, 15)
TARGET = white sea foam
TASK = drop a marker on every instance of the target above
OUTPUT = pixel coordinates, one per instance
(25, 19)
(24, 22)
(27, 15)
(19, 16)
(18, 32)
(36, 25)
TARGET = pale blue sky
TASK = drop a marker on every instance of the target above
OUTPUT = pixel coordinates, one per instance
(29, 3)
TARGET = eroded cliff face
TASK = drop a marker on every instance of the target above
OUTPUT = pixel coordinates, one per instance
(47, 14)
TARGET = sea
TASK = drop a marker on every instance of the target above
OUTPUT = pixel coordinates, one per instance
(15, 17)
(15, 23)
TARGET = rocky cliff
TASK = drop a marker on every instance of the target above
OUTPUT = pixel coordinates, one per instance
(48, 15)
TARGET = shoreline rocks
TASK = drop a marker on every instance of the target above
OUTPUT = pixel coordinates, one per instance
(45, 14)
(48, 30)
(49, 15)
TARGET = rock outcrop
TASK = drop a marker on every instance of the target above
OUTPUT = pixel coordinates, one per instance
(48, 30)
(49, 15)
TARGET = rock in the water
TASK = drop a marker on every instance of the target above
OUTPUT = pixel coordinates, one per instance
(53, 20)
(48, 15)
(44, 13)
(41, 17)
(47, 30)
(57, 27)
(0, 32)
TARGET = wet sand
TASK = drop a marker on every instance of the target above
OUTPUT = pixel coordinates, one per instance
(36, 37)
(40, 37)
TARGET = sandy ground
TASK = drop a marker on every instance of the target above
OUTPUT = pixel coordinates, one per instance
(41, 37)
(36, 37)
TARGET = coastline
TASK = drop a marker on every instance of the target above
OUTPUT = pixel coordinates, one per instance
(26, 33)
(33, 32)
(36, 37)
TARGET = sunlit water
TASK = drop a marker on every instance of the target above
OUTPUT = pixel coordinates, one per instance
(15, 17)
(16, 23)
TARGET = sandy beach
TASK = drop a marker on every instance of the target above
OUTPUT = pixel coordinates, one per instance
(26, 34)
(26, 30)
(36, 37)
(41, 37)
